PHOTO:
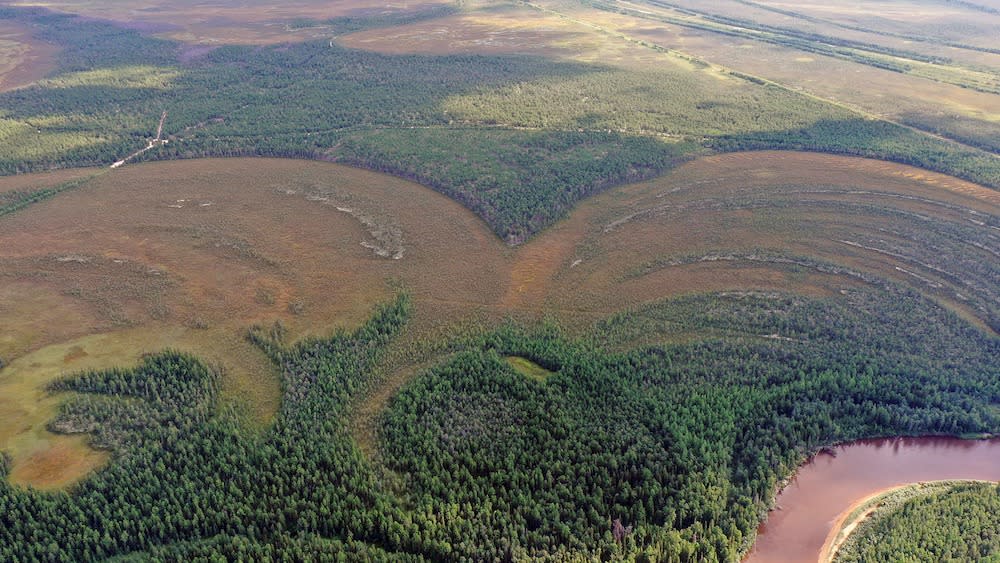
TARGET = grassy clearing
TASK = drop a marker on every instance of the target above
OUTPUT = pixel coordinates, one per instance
(529, 369)
(49, 461)
(22, 59)
(195, 22)
(135, 76)
(40, 458)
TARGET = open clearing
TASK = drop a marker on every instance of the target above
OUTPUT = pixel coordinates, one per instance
(31, 182)
(730, 221)
(936, 97)
(948, 109)
(256, 23)
(22, 59)
(506, 29)
(188, 254)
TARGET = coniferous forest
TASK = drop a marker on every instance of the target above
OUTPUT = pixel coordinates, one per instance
(681, 445)
(956, 523)
(527, 158)
(653, 426)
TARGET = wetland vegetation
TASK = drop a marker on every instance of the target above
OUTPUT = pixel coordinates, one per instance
(638, 297)
(545, 134)
(483, 462)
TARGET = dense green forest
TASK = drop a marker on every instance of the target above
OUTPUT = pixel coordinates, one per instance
(188, 481)
(953, 523)
(517, 139)
(657, 434)
(629, 448)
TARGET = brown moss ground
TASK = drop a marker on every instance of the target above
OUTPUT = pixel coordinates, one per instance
(951, 110)
(188, 254)
(249, 23)
(22, 58)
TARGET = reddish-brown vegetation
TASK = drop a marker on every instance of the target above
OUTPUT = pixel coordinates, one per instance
(188, 254)
(22, 58)
(193, 21)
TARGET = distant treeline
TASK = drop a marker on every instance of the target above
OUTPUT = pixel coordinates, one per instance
(518, 139)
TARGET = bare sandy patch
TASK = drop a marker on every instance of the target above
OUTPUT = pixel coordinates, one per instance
(849, 520)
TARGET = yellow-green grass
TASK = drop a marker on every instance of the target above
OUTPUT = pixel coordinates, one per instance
(529, 369)
(48, 461)
(27, 140)
(133, 76)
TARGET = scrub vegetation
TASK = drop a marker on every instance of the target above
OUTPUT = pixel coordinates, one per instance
(644, 286)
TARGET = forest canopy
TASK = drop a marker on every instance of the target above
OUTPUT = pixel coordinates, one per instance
(681, 444)
(518, 139)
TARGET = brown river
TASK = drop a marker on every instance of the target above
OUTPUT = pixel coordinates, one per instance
(828, 485)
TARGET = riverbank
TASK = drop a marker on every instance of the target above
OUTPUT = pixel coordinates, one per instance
(875, 506)
(954, 520)
(824, 491)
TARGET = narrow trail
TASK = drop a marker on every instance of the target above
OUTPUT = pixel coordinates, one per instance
(152, 143)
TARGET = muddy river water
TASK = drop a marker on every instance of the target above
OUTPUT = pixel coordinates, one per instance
(827, 485)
